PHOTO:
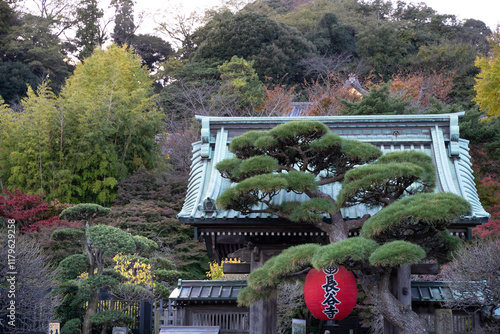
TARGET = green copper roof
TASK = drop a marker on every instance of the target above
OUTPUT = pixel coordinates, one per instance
(436, 135)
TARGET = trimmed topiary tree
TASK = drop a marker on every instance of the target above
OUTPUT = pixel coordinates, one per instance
(102, 243)
(302, 156)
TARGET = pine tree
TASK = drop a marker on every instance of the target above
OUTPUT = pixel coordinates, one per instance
(301, 157)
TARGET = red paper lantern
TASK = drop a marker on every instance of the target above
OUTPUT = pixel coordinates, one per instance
(330, 293)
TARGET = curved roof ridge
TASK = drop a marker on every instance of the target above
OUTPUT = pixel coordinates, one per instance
(463, 167)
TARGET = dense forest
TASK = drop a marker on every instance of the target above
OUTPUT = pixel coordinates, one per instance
(93, 112)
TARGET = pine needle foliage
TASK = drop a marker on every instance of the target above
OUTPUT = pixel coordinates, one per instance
(348, 252)
(244, 146)
(227, 168)
(359, 152)
(83, 211)
(72, 266)
(259, 278)
(397, 253)
(300, 182)
(390, 177)
(421, 212)
(248, 296)
(237, 170)
(297, 132)
(313, 210)
(275, 270)
(292, 260)
(378, 101)
(415, 157)
(110, 240)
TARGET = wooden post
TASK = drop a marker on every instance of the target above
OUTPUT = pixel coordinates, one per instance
(404, 286)
(444, 321)
(263, 314)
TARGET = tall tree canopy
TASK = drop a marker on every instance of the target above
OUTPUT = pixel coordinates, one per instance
(488, 80)
(89, 34)
(124, 30)
(275, 48)
(77, 147)
(31, 54)
(301, 157)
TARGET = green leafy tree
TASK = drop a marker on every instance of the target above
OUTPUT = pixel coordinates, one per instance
(26, 156)
(7, 19)
(77, 147)
(383, 48)
(15, 77)
(153, 50)
(275, 47)
(487, 82)
(330, 37)
(102, 243)
(378, 101)
(303, 156)
(241, 88)
(30, 41)
(110, 108)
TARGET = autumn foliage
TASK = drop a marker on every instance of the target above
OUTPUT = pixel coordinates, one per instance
(277, 100)
(326, 95)
(29, 211)
(419, 88)
(486, 169)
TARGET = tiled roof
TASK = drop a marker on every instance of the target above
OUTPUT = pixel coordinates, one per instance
(425, 291)
(211, 291)
(190, 330)
(436, 135)
(207, 291)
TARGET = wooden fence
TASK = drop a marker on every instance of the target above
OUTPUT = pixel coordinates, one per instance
(228, 322)
(462, 323)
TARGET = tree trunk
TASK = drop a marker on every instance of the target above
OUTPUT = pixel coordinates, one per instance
(337, 230)
(91, 309)
(94, 294)
(399, 315)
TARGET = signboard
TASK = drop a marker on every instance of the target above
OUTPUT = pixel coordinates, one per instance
(54, 327)
(298, 326)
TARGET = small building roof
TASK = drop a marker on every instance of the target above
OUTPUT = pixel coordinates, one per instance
(426, 291)
(191, 292)
(206, 291)
(190, 330)
(436, 135)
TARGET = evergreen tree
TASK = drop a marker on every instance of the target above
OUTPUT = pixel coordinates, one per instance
(89, 34)
(330, 37)
(31, 54)
(124, 30)
(303, 156)
(101, 243)
(241, 90)
(152, 49)
(378, 101)
(275, 47)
